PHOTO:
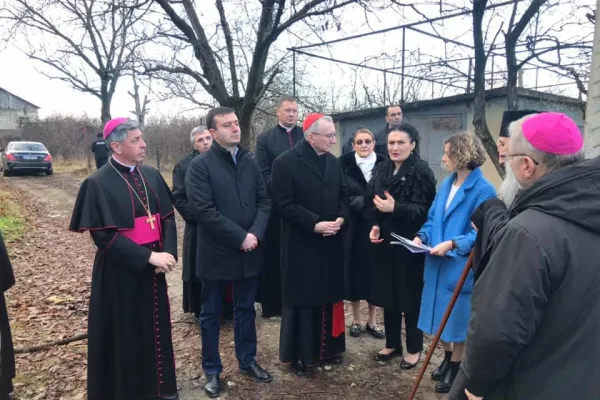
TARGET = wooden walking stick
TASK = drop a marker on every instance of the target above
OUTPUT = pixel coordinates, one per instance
(436, 339)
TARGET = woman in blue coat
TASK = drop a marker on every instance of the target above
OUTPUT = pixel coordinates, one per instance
(448, 230)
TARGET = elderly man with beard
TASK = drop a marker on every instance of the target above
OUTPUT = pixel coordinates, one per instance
(491, 215)
(536, 310)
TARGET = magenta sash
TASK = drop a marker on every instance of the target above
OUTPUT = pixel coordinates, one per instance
(142, 232)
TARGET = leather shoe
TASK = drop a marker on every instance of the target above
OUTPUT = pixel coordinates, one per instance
(376, 332)
(445, 385)
(256, 373)
(212, 388)
(335, 360)
(440, 372)
(299, 367)
(405, 365)
(387, 357)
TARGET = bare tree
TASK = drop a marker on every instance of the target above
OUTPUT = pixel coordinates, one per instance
(481, 57)
(141, 105)
(220, 64)
(86, 43)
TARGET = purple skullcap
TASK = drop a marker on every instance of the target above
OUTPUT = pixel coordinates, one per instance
(112, 124)
(553, 133)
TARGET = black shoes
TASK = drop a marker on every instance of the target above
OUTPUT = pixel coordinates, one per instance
(170, 397)
(212, 388)
(256, 373)
(445, 385)
(387, 357)
(440, 372)
(335, 360)
(405, 365)
(355, 330)
(376, 332)
(299, 367)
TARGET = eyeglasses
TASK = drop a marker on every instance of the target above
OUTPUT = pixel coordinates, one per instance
(522, 155)
(359, 142)
(329, 136)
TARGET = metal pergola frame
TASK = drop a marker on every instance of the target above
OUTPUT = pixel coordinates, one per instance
(300, 50)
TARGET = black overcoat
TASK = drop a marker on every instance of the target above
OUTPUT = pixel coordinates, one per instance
(396, 278)
(182, 206)
(228, 199)
(357, 246)
(270, 145)
(308, 189)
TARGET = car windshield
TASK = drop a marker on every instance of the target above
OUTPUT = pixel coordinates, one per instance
(27, 147)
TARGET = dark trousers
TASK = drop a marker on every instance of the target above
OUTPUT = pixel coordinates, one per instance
(244, 328)
(100, 162)
(392, 320)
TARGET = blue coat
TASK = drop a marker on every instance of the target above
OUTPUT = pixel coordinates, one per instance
(442, 273)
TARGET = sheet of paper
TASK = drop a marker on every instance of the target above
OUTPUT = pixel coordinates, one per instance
(410, 245)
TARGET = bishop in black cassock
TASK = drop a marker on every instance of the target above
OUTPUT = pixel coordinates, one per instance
(7, 354)
(269, 145)
(128, 210)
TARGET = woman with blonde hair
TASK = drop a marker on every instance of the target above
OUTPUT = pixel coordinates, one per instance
(357, 167)
(448, 230)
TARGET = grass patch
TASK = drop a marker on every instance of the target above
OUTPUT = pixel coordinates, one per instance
(73, 167)
(12, 222)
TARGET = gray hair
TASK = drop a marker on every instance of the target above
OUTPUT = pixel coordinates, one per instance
(314, 127)
(551, 162)
(195, 131)
(119, 134)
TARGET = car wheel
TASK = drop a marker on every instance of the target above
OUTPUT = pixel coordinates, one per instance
(49, 172)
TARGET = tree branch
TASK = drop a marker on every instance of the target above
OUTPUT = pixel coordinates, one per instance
(230, 53)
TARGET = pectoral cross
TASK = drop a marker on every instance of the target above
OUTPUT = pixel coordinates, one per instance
(150, 220)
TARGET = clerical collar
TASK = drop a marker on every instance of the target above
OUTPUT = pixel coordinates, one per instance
(288, 130)
(131, 168)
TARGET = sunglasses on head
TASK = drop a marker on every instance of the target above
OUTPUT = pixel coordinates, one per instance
(359, 142)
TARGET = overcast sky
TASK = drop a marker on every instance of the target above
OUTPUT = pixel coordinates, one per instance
(19, 75)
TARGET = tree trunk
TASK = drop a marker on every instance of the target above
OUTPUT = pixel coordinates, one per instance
(479, 123)
(512, 98)
(246, 129)
(106, 99)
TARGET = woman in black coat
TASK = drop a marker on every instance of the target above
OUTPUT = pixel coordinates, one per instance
(399, 196)
(357, 167)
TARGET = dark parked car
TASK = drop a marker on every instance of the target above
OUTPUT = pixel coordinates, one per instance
(26, 157)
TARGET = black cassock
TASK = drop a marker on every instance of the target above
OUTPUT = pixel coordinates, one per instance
(130, 352)
(269, 146)
(7, 354)
(307, 189)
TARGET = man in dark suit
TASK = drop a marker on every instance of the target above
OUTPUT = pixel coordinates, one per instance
(228, 198)
(309, 192)
(393, 117)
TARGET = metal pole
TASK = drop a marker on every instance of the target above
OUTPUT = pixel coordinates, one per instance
(384, 87)
(294, 73)
(402, 82)
(537, 71)
(492, 84)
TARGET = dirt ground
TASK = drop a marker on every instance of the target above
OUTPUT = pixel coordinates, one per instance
(49, 302)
